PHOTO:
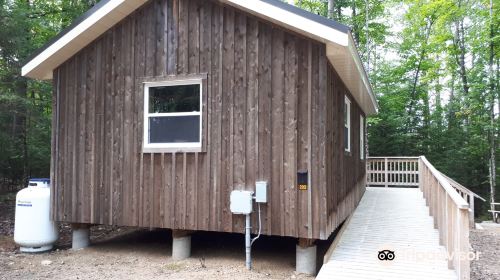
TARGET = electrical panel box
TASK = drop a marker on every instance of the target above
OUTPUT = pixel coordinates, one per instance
(241, 202)
(261, 192)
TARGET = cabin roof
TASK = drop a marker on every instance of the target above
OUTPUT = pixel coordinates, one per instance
(341, 50)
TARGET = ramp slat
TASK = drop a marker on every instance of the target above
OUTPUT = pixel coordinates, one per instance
(395, 219)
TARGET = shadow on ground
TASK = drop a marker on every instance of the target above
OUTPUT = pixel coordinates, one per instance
(132, 253)
(209, 245)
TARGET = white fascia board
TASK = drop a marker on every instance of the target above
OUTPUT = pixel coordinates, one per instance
(352, 73)
(363, 75)
(292, 21)
(85, 31)
(340, 45)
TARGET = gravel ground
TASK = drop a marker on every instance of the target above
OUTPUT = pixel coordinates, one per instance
(487, 242)
(127, 253)
(146, 255)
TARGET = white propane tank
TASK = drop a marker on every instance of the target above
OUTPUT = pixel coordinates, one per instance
(33, 229)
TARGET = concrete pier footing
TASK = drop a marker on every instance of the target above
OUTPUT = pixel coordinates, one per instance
(81, 236)
(181, 245)
(305, 258)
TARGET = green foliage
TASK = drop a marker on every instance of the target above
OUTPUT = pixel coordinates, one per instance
(429, 62)
(452, 133)
(25, 105)
(431, 76)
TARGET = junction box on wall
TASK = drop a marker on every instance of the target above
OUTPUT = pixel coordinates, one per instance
(241, 202)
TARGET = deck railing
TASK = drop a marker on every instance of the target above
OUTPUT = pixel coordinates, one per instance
(451, 204)
(468, 196)
(451, 216)
(404, 172)
(495, 212)
(392, 171)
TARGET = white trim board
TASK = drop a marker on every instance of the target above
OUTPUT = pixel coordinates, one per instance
(340, 48)
(42, 65)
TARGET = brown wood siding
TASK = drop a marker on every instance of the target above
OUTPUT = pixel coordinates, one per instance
(273, 107)
(345, 170)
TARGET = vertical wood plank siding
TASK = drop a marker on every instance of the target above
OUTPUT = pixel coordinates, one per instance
(274, 107)
(345, 171)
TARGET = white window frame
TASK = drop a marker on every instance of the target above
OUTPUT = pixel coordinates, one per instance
(347, 122)
(361, 137)
(151, 147)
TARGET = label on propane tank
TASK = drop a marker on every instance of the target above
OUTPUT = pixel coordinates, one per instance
(24, 203)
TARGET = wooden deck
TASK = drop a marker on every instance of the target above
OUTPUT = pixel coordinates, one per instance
(395, 219)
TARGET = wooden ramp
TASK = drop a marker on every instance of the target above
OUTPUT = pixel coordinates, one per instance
(395, 219)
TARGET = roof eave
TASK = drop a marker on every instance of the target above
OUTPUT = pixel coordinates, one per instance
(77, 37)
(340, 47)
(270, 11)
(348, 65)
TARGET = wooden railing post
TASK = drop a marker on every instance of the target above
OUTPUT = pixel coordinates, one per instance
(420, 185)
(463, 269)
(386, 173)
(449, 230)
(472, 223)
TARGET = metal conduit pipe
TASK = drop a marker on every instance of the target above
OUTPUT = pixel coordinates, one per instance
(248, 244)
(241, 202)
(248, 241)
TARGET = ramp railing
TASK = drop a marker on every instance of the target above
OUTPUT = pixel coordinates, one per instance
(451, 216)
(450, 204)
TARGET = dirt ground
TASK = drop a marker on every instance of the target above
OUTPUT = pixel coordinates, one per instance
(126, 253)
(487, 242)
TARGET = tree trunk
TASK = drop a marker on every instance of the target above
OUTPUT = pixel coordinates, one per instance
(460, 45)
(355, 29)
(331, 8)
(451, 111)
(413, 93)
(22, 90)
(460, 51)
(492, 130)
(367, 38)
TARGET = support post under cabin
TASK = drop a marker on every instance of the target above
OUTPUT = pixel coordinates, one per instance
(305, 256)
(181, 244)
(81, 236)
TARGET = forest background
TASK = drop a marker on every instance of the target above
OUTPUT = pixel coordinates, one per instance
(433, 65)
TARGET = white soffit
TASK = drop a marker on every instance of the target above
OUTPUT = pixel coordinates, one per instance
(348, 65)
(99, 21)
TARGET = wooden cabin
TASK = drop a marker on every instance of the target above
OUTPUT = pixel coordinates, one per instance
(162, 108)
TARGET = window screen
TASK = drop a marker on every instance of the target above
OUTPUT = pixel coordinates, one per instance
(174, 99)
(173, 114)
(182, 129)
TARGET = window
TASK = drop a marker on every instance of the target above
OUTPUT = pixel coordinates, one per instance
(361, 137)
(347, 124)
(172, 115)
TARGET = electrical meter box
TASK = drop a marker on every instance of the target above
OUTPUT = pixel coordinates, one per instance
(261, 192)
(241, 202)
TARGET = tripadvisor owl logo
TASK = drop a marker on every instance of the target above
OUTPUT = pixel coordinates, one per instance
(386, 255)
